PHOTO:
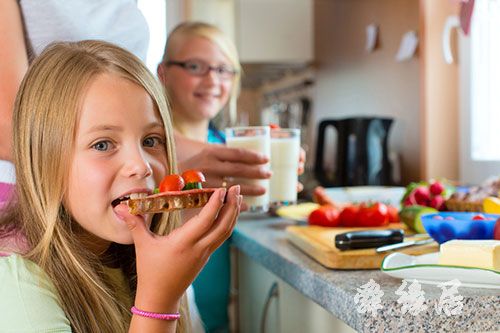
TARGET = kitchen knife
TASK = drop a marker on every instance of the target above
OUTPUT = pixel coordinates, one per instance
(391, 247)
(368, 239)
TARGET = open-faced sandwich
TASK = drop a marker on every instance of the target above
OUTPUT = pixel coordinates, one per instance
(175, 192)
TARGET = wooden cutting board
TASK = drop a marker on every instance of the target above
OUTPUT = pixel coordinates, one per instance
(319, 243)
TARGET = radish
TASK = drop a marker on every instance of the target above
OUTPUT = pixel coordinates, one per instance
(436, 188)
(437, 202)
(422, 195)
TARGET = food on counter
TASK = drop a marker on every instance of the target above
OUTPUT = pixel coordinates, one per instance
(175, 192)
(320, 197)
(471, 253)
(373, 215)
(366, 214)
(324, 216)
(491, 205)
(427, 194)
(412, 216)
(349, 216)
(473, 199)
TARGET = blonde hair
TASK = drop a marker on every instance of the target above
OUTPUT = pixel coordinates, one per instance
(216, 36)
(45, 121)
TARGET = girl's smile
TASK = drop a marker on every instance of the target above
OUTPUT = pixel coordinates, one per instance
(119, 152)
(198, 97)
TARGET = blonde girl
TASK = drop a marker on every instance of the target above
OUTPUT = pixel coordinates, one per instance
(91, 127)
(201, 74)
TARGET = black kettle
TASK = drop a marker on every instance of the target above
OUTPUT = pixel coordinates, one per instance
(362, 152)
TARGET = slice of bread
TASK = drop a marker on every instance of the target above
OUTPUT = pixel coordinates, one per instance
(169, 201)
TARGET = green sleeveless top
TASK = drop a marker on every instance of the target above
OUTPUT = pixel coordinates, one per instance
(29, 301)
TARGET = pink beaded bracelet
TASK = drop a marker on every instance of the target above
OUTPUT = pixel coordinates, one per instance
(155, 315)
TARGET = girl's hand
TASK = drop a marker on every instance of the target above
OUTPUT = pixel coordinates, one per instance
(166, 265)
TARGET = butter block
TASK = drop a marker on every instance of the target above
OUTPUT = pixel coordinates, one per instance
(471, 253)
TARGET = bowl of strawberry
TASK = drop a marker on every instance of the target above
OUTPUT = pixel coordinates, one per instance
(445, 226)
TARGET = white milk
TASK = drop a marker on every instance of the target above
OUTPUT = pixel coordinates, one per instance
(284, 164)
(261, 144)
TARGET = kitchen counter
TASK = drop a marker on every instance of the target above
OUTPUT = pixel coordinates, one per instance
(264, 240)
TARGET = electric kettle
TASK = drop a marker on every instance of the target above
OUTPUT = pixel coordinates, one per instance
(362, 152)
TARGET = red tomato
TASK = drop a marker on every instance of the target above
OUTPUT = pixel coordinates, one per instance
(325, 216)
(479, 217)
(349, 216)
(172, 183)
(393, 214)
(274, 126)
(373, 215)
(193, 176)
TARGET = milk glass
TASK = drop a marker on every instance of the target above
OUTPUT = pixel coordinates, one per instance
(285, 150)
(256, 138)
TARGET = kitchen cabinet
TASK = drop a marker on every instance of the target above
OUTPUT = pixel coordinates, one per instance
(439, 94)
(264, 31)
(288, 311)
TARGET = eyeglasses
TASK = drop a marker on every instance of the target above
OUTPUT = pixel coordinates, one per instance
(201, 68)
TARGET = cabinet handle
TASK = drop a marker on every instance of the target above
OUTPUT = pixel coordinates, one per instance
(273, 293)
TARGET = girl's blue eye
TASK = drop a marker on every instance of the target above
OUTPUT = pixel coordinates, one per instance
(102, 146)
(151, 142)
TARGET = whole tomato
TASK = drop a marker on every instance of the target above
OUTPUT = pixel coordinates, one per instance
(373, 215)
(324, 216)
(349, 216)
(393, 214)
(172, 183)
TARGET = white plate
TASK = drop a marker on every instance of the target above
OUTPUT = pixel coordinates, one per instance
(425, 269)
(386, 194)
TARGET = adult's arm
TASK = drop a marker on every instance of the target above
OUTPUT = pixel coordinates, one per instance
(219, 163)
(13, 66)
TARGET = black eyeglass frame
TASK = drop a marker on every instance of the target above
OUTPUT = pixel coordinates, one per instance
(226, 73)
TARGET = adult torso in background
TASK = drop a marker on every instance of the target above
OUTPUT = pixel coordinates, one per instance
(116, 21)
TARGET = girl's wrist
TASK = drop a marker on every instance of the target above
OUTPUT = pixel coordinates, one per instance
(151, 304)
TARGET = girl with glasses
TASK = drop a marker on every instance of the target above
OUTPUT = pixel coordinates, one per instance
(201, 75)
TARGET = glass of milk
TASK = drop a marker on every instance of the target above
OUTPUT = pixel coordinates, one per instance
(258, 139)
(285, 150)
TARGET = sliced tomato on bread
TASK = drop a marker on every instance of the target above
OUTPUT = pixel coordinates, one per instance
(175, 192)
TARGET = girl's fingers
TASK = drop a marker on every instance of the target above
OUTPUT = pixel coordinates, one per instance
(223, 227)
(135, 223)
(198, 226)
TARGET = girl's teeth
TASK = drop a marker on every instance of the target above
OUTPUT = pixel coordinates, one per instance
(138, 195)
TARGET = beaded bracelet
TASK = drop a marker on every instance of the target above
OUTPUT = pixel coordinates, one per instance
(155, 315)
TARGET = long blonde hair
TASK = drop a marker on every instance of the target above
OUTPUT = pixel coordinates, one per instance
(45, 121)
(216, 36)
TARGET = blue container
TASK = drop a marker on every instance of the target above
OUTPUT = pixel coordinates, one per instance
(445, 226)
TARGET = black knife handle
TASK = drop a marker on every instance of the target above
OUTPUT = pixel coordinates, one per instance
(368, 239)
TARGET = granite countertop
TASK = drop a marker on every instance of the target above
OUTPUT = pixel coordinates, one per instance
(264, 239)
